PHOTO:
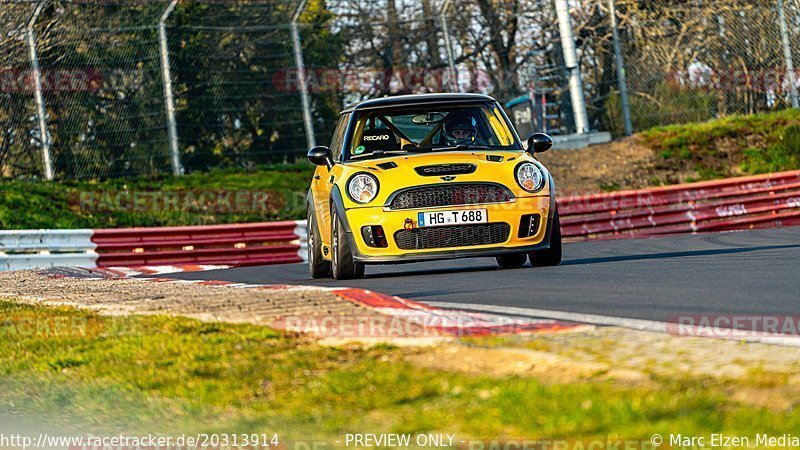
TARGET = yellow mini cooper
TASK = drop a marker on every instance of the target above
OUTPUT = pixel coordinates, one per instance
(426, 177)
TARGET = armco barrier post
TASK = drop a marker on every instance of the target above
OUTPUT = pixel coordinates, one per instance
(301, 75)
(448, 47)
(41, 110)
(169, 99)
(621, 78)
(571, 61)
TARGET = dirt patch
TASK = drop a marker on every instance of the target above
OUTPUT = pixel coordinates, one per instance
(506, 361)
(757, 374)
(722, 148)
(620, 165)
(671, 356)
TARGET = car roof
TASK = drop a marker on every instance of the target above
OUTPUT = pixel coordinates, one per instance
(415, 99)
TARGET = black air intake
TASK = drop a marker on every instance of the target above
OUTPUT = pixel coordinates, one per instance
(448, 195)
(452, 236)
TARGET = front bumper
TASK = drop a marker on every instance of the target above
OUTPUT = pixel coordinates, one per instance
(394, 220)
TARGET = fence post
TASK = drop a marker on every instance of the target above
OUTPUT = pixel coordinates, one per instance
(301, 75)
(571, 61)
(169, 99)
(41, 110)
(787, 54)
(448, 47)
(622, 80)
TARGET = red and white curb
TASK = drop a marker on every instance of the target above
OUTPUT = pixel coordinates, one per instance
(125, 272)
(425, 319)
(452, 322)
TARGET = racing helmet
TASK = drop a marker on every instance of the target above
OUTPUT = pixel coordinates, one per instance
(459, 128)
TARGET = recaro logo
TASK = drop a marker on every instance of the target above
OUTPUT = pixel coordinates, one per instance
(383, 137)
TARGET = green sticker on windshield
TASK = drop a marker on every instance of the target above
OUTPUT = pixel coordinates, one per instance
(359, 150)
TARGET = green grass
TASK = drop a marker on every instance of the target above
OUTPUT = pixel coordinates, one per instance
(72, 368)
(36, 204)
(730, 146)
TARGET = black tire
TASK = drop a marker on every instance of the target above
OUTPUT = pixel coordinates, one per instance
(343, 266)
(512, 260)
(551, 256)
(317, 266)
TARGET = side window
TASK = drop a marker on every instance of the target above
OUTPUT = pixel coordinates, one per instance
(338, 136)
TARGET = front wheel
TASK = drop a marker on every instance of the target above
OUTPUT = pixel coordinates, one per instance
(511, 261)
(317, 266)
(343, 265)
(552, 255)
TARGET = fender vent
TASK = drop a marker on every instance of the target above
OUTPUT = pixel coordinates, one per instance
(445, 169)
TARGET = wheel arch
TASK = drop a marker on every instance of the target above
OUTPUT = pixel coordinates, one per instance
(337, 204)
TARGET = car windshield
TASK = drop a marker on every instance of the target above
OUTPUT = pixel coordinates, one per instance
(428, 128)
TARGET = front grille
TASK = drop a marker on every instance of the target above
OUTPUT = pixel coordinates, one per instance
(452, 236)
(445, 169)
(449, 195)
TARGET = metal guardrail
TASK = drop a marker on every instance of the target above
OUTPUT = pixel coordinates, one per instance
(27, 249)
(243, 244)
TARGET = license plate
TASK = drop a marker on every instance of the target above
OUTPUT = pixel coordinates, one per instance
(460, 217)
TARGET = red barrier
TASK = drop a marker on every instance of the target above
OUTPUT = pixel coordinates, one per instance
(681, 193)
(734, 203)
(737, 203)
(243, 244)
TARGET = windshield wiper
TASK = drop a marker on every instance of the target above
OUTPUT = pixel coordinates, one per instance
(379, 154)
(457, 147)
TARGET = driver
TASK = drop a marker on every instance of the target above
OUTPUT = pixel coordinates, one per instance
(459, 128)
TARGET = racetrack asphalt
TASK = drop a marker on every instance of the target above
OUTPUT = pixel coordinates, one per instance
(754, 272)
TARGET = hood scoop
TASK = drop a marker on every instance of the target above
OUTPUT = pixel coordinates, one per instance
(387, 165)
(445, 169)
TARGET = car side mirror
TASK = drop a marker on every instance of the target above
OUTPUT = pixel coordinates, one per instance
(321, 156)
(539, 143)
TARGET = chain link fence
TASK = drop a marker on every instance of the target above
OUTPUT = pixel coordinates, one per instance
(106, 67)
(20, 144)
(693, 61)
(228, 60)
(103, 88)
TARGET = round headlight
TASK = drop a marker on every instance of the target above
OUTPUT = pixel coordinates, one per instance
(362, 187)
(530, 177)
